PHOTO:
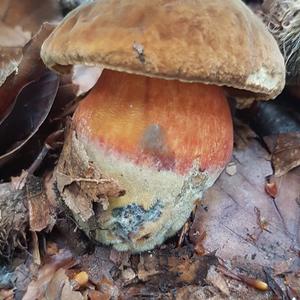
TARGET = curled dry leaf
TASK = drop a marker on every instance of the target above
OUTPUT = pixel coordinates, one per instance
(278, 124)
(32, 107)
(79, 183)
(285, 149)
(41, 211)
(31, 68)
(19, 21)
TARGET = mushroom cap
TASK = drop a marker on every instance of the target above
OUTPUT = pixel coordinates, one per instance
(215, 42)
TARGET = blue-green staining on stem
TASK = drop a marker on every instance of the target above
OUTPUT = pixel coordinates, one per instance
(129, 219)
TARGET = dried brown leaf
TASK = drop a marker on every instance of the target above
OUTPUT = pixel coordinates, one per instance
(285, 149)
(60, 288)
(240, 219)
(6, 294)
(41, 211)
(31, 68)
(107, 288)
(217, 280)
(10, 59)
(68, 293)
(31, 14)
(19, 21)
(79, 183)
(293, 282)
(13, 37)
(173, 267)
(31, 110)
(96, 295)
(38, 287)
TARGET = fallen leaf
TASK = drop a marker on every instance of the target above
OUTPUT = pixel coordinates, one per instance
(32, 107)
(285, 150)
(10, 59)
(293, 282)
(243, 224)
(41, 210)
(128, 275)
(19, 21)
(7, 294)
(107, 288)
(79, 183)
(30, 69)
(173, 267)
(67, 293)
(55, 286)
(31, 14)
(99, 266)
(38, 287)
(216, 279)
(13, 37)
(60, 288)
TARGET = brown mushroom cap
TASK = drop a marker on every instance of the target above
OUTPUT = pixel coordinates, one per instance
(216, 42)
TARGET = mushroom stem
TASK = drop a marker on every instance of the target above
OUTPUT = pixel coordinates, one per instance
(165, 124)
(163, 141)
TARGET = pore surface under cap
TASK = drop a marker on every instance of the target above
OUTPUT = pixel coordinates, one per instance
(217, 42)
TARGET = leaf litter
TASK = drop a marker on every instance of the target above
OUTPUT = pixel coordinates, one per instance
(19, 21)
(244, 236)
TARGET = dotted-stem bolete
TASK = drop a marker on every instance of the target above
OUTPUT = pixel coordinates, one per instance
(156, 130)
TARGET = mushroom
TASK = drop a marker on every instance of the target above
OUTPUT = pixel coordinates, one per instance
(155, 131)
